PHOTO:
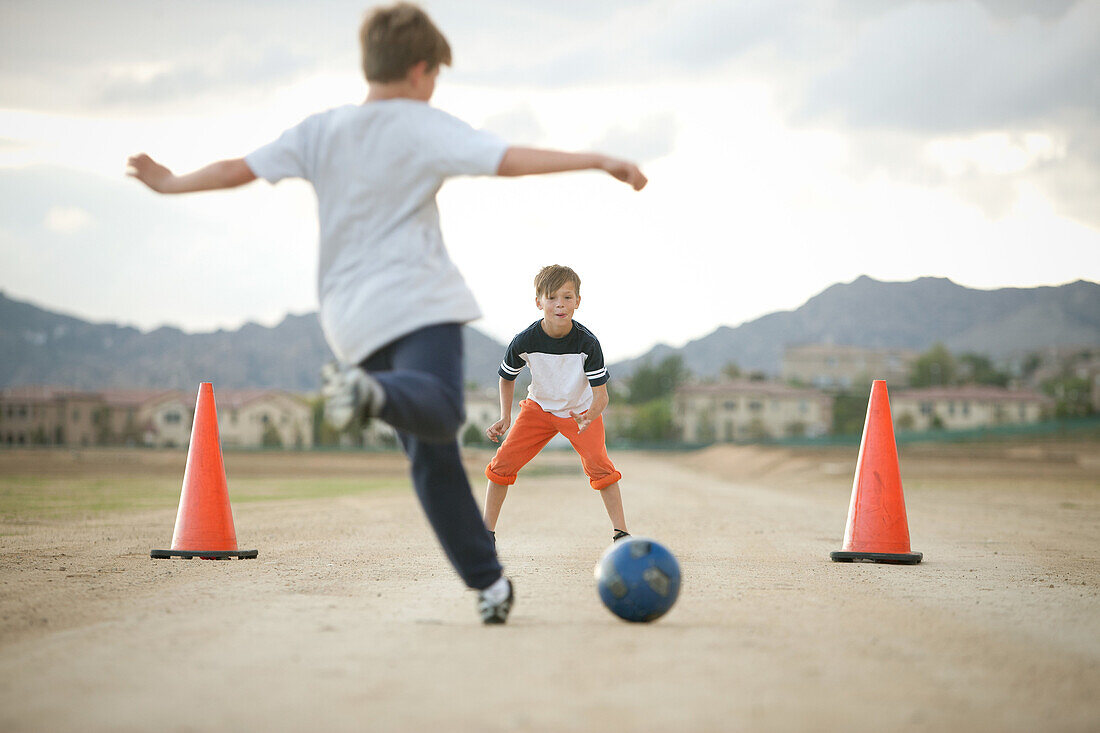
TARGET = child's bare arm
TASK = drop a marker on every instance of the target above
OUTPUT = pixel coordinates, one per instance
(600, 398)
(533, 161)
(222, 174)
(507, 392)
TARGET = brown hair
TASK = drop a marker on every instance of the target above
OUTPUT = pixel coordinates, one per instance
(553, 277)
(396, 38)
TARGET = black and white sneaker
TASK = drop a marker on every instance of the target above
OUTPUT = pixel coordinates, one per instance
(495, 602)
(351, 395)
(619, 534)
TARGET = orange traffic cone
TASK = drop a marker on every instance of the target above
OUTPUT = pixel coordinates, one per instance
(877, 529)
(204, 522)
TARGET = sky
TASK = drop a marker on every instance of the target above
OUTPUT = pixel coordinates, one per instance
(790, 145)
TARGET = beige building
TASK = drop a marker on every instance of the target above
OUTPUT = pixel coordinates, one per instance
(40, 415)
(267, 417)
(965, 407)
(160, 418)
(840, 367)
(749, 410)
(154, 418)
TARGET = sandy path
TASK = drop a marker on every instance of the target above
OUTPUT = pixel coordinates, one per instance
(349, 619)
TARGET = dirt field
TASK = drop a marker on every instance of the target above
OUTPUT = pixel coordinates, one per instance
(350, 619)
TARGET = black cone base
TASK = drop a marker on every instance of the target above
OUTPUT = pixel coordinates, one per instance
(213, 555)
(900, 558)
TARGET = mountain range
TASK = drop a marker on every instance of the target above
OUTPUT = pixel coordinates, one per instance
(38, 346)
(910, 315)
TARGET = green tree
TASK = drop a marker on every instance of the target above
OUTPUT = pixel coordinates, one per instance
(1031, 364)
(473, 435)
(731, 370)
(934, 368)
(617, 392)
(652, 382)
(849, 412)
(978, 369)
(652, 423)
(317, 412)
(271, 437)
(1072, 395)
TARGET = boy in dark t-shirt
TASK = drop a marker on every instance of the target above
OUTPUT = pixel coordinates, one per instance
(567, 395)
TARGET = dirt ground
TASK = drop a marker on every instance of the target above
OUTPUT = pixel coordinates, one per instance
(351, 620)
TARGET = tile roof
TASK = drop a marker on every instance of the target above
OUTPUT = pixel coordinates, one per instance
(972, 392)
(747, 386)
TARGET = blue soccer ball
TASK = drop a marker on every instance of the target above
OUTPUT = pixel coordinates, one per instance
(638, 579)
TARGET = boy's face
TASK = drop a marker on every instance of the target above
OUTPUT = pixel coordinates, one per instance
(557, 307)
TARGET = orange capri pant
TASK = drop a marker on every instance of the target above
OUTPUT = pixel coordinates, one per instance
(533, 429)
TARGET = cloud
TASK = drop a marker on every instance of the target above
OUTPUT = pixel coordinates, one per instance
(519, 125)
(620, 42)
(946, 94)
(652, 138)
(700, 35)
(236, 69)
(63, 57)
(994, 153)
(944, 67)
(892, 77)
(1074, 179)
(1046, 9)
(987, 169)
(67, 219)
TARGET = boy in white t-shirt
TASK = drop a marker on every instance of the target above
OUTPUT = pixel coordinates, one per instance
(392, 302)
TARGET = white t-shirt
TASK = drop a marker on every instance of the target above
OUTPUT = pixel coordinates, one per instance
(376, 168)
(563, 370)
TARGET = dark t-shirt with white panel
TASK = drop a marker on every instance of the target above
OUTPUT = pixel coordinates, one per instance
(563, 370)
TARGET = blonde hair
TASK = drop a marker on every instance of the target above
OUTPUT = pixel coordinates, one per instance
(553, 277)
(396, 38)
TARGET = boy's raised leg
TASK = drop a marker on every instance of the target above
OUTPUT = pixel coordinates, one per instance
(494, 498)
(613, 502)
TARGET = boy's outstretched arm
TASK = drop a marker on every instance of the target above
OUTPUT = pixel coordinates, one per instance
(223, 174)
(497, 430)
(533, 161)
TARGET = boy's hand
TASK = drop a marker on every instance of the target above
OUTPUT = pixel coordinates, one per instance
(626, 172)
(583, 420)
(219, 174)
(148, 171)
(497, 430)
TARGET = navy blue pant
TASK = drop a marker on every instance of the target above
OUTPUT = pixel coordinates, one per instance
(421, 374)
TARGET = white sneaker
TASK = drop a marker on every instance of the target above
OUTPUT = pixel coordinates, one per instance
(495, 602)
(351, 396)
